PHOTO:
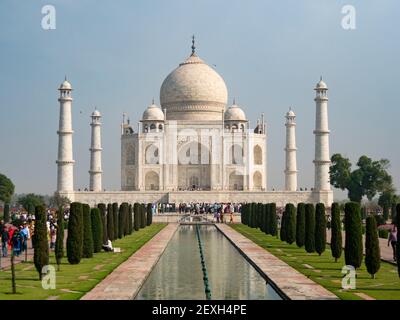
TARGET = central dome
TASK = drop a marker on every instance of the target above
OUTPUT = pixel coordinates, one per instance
(194, 91)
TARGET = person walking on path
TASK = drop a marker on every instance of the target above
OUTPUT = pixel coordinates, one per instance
(393, 240)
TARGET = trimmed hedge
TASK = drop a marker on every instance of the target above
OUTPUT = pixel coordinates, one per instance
(300, 224)
(290, 223)
(87, 248)
(336, 232)
(143, 219)
(103, 215)
(149, 217)
(130, 219)
(320, 228)
(41, 248)
(97, 229)
(116, 219)
(136, 214)
(273, 224)
(372, 250)
(353, 240)
(75, 236)
(110, 222)
(309, 243)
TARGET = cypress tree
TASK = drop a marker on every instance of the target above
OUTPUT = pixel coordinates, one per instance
(126, 221)
(320, 228)
(149, 214)
(97, 229)
(273, 224)
(110, 222)
(75, 236)
(59, 247)
(353, 250)
(336, 232)
(87, 248)
(372, 250)
(130, 218)
(143, 219)
(266, 219)
(41, 249)
(260, 216)
(291, 223)
(310, 228)
(136, 214)
(300, 224)
(283, 226)
(116, 219)
(103, 216)
(6, 215)
(121, 219)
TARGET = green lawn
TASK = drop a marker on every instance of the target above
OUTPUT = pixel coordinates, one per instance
(73, 281)
(325, 271)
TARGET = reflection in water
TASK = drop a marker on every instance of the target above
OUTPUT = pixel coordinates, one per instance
(178, 275)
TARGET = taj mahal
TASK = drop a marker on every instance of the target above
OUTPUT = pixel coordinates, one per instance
(194, 147)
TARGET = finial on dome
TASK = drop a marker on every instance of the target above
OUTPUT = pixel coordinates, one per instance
(65, 78)
(320, 78)
(193, 46)
(152, 101)
(234, 101)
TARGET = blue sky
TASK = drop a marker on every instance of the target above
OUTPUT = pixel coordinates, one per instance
(270, 54)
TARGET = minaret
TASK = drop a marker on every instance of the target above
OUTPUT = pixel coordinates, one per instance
(95, 153)
(322, 160)
(291, 162)
(65, 162)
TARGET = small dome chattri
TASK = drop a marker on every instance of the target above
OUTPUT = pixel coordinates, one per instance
(65, 85)
(153, 112)
(234, 113)
(290, 113)
(321, 85)
(96, 113)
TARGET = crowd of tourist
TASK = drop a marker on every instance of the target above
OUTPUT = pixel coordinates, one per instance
(17, 235)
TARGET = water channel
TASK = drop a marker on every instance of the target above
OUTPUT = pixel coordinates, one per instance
(178, 274)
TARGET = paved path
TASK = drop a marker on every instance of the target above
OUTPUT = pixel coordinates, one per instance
(294, 285)
(386, 252)
(126, 280)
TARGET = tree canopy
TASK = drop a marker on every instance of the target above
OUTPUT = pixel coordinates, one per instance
(31, 200)
(369, 179)
(7, 189)
(57, 201)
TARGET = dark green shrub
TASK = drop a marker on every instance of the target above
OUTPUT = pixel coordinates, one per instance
(41, 249)
(300, 224)
(87, 248)
(254, 215)
(103, 215)
(59, 246)
(397, 221)
(336, 232)
(310, 228)
(282, 232)
(320, 228)
(372, 250)
(130, 219)
(97, 229)
(273, 225)
(149, 214)
(266, 219)
(291, 223)
(121, 220)
(110, 222)
(136, 214)
(116, 219)
(353, 250)
(75, 233)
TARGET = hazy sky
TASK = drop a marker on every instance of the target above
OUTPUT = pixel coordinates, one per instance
(270, 53)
